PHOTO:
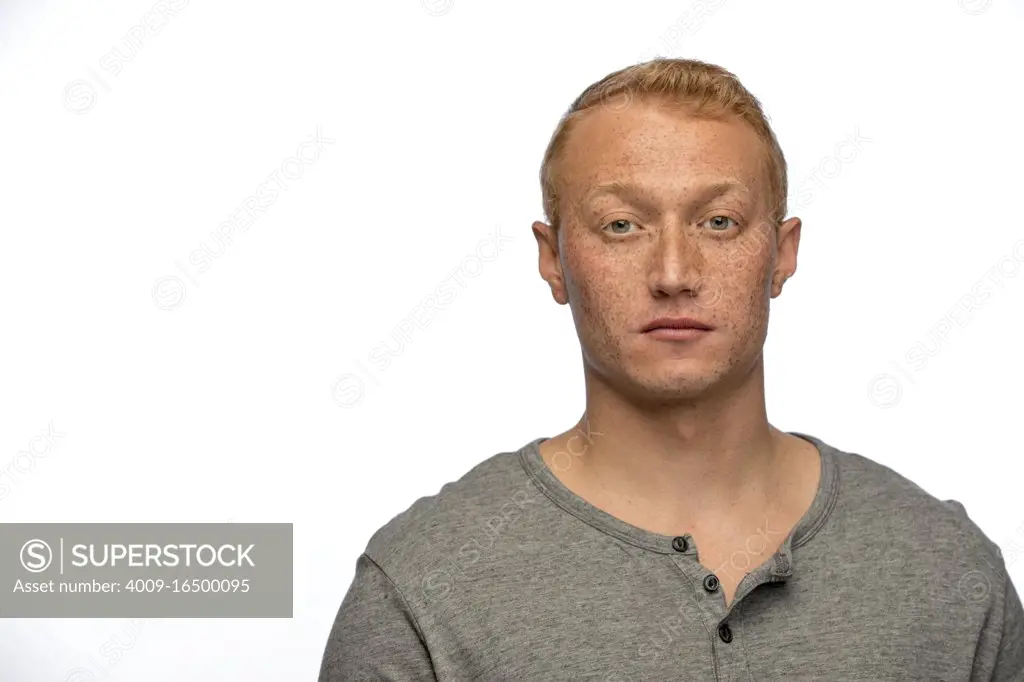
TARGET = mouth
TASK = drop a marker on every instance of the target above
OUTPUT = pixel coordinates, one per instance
(676, 328)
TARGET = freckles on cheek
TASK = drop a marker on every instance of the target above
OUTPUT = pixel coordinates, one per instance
(600, 290)
(583, 271)
(741, 309)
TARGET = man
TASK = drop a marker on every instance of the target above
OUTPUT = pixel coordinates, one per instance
(673, 533)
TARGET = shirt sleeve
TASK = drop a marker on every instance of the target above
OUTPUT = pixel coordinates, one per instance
(1009, 665)
(375, 635)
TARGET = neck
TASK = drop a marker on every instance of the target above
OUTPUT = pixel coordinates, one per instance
(707, 458)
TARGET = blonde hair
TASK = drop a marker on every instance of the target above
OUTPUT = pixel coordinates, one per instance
(697, 88)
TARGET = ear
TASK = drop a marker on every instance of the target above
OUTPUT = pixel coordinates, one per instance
(788, 245)
(548, 262)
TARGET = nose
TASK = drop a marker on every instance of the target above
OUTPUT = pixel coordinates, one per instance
(676, 264)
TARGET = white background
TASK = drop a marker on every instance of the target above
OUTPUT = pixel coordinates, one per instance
(220, 399)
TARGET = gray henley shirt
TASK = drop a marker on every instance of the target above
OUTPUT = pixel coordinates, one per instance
(506, 574)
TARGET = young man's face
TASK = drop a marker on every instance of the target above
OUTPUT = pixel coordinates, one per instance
(691, 238)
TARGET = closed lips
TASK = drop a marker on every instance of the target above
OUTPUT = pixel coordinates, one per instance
(676, 323)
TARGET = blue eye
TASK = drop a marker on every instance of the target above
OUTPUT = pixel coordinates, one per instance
(618, 223)
(716, 223)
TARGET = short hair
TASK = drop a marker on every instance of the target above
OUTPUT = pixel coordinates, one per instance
(697, 88)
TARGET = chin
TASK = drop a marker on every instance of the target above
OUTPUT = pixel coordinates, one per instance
(678, 384)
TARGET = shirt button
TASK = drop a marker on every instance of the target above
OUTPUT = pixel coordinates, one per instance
(679, 543)
(725, 632)
(711, 582)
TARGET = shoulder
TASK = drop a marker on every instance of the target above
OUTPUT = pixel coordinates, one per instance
(882, 504)
(490, 491)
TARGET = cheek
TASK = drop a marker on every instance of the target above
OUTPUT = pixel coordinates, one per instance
(602, 291)
(744, 299)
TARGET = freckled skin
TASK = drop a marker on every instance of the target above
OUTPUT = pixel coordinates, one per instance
(682, 442)
(619, 261)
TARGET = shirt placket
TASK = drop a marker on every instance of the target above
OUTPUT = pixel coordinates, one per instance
(722, 623)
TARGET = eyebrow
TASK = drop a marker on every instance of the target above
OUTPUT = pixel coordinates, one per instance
(631, 191)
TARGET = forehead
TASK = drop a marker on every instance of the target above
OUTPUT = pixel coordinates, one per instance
(662, 149)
